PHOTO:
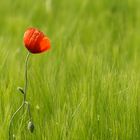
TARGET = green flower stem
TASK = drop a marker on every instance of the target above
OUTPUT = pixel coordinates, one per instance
(29, 111)
(11, 120)
(24, 97)
(26, 76)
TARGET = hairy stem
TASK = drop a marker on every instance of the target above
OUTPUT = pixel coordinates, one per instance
(24, 96)
(26, 76)
(29, 111)
(12, 118)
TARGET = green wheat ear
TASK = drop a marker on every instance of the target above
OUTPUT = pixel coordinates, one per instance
(25, 102)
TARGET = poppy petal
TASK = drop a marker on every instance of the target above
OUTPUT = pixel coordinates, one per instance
(44, 44)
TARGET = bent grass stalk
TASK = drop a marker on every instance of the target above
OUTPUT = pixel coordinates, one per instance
(24, 93)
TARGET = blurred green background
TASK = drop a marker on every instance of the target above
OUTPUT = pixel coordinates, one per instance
(87, 86)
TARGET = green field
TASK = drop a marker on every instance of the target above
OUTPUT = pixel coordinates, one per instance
(87, 87)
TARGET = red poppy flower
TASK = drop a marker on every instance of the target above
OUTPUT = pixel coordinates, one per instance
(35, 41)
